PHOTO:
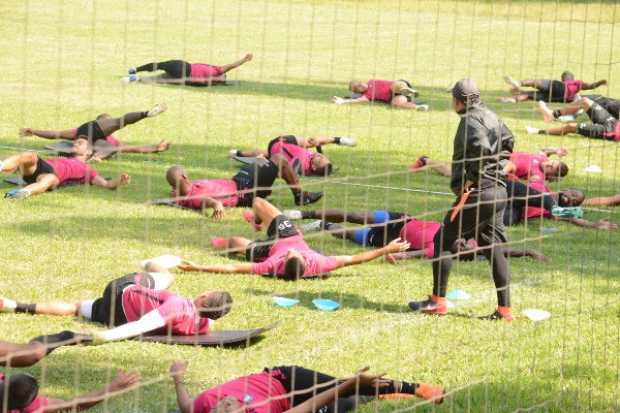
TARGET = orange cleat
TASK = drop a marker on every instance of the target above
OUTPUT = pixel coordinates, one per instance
(432, 393)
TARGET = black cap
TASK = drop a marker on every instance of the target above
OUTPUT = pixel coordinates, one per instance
(465, 89)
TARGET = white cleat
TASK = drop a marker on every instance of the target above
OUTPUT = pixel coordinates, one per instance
(232, 153)
(346, 141)
(531, 130)
(422, 108)
(545, 111)
(512, 82)
(292, 214)
(157, 110)
(313, 226)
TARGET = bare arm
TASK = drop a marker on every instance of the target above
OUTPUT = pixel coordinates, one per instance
(48, 134)
(603, 201)
(393, 247)
(121, 180)
(554, 151)
(602, 224)
(590, 86)
(341, 101)
(243, 268)
(535, 255)
(311, 405)
(123, 382)
(177, 371)
(148, 322)
(407, 255)
(315, 141)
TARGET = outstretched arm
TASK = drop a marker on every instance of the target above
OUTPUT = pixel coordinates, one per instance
(613, 200)
(123, 382)
(121, 180)
(535, 255)
(148, 322)
(407, 255)
(602, 224)
(48, 134)
(594, 85)
(341, 101)
(395, 246)
(554, 151)
(184, 400)
(243, 268)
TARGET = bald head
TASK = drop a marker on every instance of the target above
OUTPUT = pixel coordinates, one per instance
(174, 175)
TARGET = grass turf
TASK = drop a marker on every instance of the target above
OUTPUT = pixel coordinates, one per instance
(61, 66)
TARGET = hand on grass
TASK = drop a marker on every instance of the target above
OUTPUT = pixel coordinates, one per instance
(178, 369)
(397, 245)
(25, 132)
(337, 100)
(124, 380)
(218, 211)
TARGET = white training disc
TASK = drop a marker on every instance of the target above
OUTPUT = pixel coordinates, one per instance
(536, 315)
(166, 261)
(594, 169)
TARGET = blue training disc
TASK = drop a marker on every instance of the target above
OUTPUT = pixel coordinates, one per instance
(324, 304)
(458, 295)
(285, 302)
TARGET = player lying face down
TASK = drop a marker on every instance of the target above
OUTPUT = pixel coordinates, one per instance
(295, 389)
(382, 227)
(251, 181)
(284, 254)
(46, 175)
(20, 394)
(137, 304)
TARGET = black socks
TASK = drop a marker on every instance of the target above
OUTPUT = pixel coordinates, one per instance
(556, 113)
(25, 308)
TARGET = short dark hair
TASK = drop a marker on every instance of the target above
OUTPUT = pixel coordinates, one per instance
(567, 75)
(294, 267)
(562, 169)
(571, 197)
(22, 390)
(218, 305)
(325, 171)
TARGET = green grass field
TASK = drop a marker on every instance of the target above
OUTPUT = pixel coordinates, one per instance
(62, 61)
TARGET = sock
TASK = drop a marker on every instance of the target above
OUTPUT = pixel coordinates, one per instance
(542, 132)
(25, 308)
(308, 215)
(337, 140)
(556, 113)
(329, 226)
(504, 311)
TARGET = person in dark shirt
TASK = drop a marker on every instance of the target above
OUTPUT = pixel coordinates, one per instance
(482, 149)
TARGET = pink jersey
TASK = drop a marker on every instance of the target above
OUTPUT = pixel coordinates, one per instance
(534, 212)
(615, 135)
(529, 165)
(258, 392)
(224, 190)
(180, 313)
(379, 90)
(420, 235)
(571, 88)
(316, 263)
(71, 170)
(36, 404)
(111, 139)
(201, 71)
(294, 154)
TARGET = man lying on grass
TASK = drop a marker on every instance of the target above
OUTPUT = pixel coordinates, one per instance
(251, 181)
(548, 90)
(295, 389)
(24, 355)
(99, 133)
(137, 304)
(46, 175)
(295, 151)
(397, 93)
(384, 227)
(20, 394)
(284, 254)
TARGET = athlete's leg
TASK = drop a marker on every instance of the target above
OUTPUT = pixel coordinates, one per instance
(402, 102)
(57, 308)
(549, 115)
(286, 172)
(234, 245)
(25, 163)
(264, 212)
(160, 147)
(109, 125)
(560, 130)
(339, 215)
(45, 182)
(234, 65)
(21, 355)
(174, 68)
(251, 153)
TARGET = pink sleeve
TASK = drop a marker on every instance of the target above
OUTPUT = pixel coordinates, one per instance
(429, 250)
(39, 402)
(329, 264)
(263, 268)
(170, 309)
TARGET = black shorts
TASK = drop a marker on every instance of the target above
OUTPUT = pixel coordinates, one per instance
(257, 175)
(609, 104)
(91, 130)
(41, 169)
(381, 235)
(409, 85)
(280, 227)
(602, 123)
(108, 309)
(548, 91)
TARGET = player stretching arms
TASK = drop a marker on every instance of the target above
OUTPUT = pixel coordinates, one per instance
(185, 73)
(284, 254)
(564, 90)
(398, 93)
(47, 175)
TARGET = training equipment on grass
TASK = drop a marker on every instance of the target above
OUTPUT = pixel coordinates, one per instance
(165, 261)
(536, 314)
(325, 304)
(285, 301)
(458, 294)
(593, 169)
(567, 212)
(214, 338)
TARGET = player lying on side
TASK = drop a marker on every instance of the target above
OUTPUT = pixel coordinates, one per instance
(185, 73)
(20, 394)
(295, 389)
(284, 254)
(138, 304)
(548, 90)
(295, 150)
(525, 165)
(611, 105)
(398, 93)
(99, 133)
(46, 175)
(383, 227)
(251, 181)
